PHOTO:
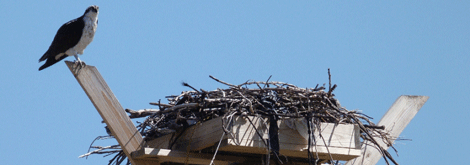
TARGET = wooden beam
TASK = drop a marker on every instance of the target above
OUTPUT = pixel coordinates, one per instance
(108, 107)
(158, 156)
(342, 140)
(395, 121)
(166, 155)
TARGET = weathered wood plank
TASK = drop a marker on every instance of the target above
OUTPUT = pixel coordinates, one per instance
(158, 156)
(395, 121)
(166, 155)
(108, 107)
(342, 140)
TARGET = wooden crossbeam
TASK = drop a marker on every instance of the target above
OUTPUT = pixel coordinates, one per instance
(342, 139)
(108, 107)
(166, 155)
(395, 121)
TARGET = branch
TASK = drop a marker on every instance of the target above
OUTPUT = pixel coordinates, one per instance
(141, 113)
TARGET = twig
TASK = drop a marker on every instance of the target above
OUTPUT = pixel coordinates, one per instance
(141, 113)
(187, 85)
(99, 150)
(220, 81)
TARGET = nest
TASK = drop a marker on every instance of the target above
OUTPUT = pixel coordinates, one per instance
(273, 100)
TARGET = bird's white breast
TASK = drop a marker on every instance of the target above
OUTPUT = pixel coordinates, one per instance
(88, 33)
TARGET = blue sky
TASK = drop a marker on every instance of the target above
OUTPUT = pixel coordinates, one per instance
(377, 51)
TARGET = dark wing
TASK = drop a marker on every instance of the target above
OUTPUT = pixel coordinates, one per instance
(67, 36)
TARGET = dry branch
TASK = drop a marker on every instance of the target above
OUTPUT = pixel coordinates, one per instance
(141, 113)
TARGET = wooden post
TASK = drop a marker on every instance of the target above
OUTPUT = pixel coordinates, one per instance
(395, 121)
(109, 108)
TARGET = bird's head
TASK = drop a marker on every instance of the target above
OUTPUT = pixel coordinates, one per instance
(92, 11)
(92, 8)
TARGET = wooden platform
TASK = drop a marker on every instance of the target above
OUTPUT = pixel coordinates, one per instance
(242, 145)
(341, 141)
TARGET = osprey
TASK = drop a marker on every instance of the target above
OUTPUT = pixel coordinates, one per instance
(72, 38)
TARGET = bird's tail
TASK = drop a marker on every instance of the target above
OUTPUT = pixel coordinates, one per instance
(49, 62)
(44, 57)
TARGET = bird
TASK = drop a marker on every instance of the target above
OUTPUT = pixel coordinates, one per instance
(72, 38)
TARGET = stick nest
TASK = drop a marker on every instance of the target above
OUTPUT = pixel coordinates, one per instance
(260, 98)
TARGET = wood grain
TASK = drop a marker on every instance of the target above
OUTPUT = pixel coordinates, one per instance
(395, 121)
(108, 107)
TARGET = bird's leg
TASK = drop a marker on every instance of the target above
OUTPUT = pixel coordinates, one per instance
(82, 64)
(79, 64)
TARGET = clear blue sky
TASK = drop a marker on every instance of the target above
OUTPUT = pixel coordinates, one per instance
(377, 51)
